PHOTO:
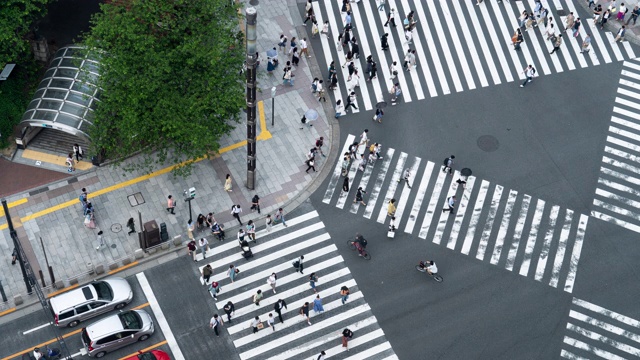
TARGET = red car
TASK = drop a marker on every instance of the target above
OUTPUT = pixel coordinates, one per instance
(151, 355)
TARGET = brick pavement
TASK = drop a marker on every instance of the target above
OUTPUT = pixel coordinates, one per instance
(280, 180)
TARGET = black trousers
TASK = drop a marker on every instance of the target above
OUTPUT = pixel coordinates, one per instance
(279, 312)
(237, 216)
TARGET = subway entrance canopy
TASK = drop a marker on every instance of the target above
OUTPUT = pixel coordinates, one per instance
(65, 98)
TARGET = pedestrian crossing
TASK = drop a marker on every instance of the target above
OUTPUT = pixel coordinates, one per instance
(459, 46)
(501, 226)
(617, 199)
(593, 331)
(275, 251)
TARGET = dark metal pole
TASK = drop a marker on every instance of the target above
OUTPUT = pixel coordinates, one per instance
(16, 244)
(273, 105)
(251, 17)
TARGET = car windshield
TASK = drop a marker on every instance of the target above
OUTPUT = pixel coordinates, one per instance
(130, 320)
(147, 356)
(103, 290)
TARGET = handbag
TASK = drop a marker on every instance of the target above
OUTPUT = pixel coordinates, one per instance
(260, 326)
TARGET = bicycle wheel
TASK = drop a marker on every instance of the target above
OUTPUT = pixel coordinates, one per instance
(421, 269)
(351, 244)
(437, 278)
(366, 255)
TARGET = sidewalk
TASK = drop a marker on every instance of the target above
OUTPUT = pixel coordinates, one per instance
(54, 214)
(633, 31)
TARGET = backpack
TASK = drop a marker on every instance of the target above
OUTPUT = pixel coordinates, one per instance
(446, 162)
(296, 264)
(319, 143)
(533, 70)
(304, 119)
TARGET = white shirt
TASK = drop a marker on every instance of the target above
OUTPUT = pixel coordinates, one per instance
(303, 44)
(254, 323)
(272, 280)
(339, 109)
(319, 86)
(241, 234)
(203, 242)
(433, 268)
(325, 28)
(451, 201)
(213, 322)
(363, 137)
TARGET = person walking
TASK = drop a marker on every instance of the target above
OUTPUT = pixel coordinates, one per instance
(317, 305)
(215, 322)
(346, 336)
(569, 20)
(100, 239)
(634, 15)
(257, 297)
(229, 309)
(304, 48)
(395, 93)
(214, 289)
(550, 32)
(319, 144)
(586, 43)
(272, 281)
(77, 151)
(378, 115)
(384, 42)
(310, 165)
(451, 203)
(227, 184)
(406, 176)
(359, 196)
(374, 71)
(268, 223)
(344, 293)
(298, 264)
(255, 203)
(529, 72)
(204, 247)
(232, 272)
(542, 16)
(605, 18)
(295, 57)
(251, 230)
(304, 311)
(393, 70)
(391, 208)
(340, 110)
(207, 271)
(271, 322)
(576, 27)
(282, 45)
(235, 211)
(84, 199)
(517, 39)
(313, 278)
(191, 249)
(255, 324)
(320, 91)
(69, 162)
(280, 217)
(278, 306)
(131, 224)
(622, 12)
(190, 228)
(448, 165)
(620, 34)
(345, 184)
(391, 18)
(309, 10)
(321, 355)
(325, 29)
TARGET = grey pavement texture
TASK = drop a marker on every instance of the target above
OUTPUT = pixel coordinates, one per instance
(280, 180)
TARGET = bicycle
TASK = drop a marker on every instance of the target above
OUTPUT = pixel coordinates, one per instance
(435, 276)
(365, 254)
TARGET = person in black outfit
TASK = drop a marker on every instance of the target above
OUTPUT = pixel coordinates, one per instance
(345, 184)
(278, 308)
(229, 308)
(384, 42)
(255, 203)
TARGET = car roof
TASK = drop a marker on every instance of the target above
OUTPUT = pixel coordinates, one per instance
(103, 327)
(74, 297)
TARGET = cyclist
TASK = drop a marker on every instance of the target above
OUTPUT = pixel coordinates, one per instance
(360, 243)
(430, 265)
(37, 354)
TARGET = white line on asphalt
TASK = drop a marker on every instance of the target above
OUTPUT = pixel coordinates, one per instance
(160, 319)
(614, 45)
(488, 225)
(433, 50)
(444, 217)
(326, 49)
(462, 211)
(364, 181)
(457, 45)
(417, 202)
(616, 209)
(417, 86)
(468, 41)
(393, 185)
(504, 226)
(606, 340)
(433, 202)
(517, 234)
(613, 220)
(533, 234)
(562, 248)
(377, 186)
(568, 355)
(475, 217)
(36, 328)
(406, 192)
(423, 64)
(79, 353)
(360, 340)
(575, 255)
(383, 67)
(512, 23)
(353, 169)
(544, 252)
(592, 349)
(368, 354)
(444, 48)
(364, 49)
(606, 312)
(505, 35)
(604, 326)
(482, 38)
(331, 187)
(628, 49)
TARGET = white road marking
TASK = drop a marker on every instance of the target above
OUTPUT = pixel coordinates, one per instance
(462, 210)
(444, 217)
(337, 171)
(504, 226)
(36, 328)
(592, 349)
(544, 252)
(517, 234)
(406, 191)
(433, 202)
(393, 184)
(562, 247)
(575, 255)
(488, 226)
(417, 202)
(475, 217)
(533, 234)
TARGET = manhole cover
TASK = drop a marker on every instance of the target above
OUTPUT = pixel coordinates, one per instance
(116, 228)
(254, 2)
(113, 246)
(135, 199)
(488, 143)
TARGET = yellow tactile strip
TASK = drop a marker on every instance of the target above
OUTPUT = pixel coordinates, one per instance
(54, 159)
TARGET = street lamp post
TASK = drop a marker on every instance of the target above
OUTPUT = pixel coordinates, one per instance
(273, 102)
(251, 16)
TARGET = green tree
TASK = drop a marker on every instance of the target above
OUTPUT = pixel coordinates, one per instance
(169, 80)
(16, 19)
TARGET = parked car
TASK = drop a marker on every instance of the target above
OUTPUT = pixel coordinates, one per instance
(150, 355)
(98, 297)
(116, 331)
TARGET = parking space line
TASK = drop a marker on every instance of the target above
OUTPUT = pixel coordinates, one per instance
(36, 328)
(162, 321)
(152, 347)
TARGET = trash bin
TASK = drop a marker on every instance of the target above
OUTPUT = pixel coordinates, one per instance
(152, 234)
(164, 235)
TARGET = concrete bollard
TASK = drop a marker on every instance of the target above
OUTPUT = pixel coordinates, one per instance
(126, 261)
(99, 269)
(73, 281)
(165, 246)
(113, 266)
(58, 284)
(17, 300)
(177, 240)
(139, 254)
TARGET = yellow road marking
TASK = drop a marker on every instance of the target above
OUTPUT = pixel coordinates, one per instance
(264, 135)
(54, 159)
(12, 204)
(62, 290)
(123, 268)
(48, 342)
(8, 311)
(152, 347)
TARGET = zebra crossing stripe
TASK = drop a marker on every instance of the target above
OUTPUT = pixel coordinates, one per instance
(568, 355)
(575, 255)
(364, 181)
(604, 326)
(564, 47)
(620, 165)
(462, 210)
(335, 177)
(628, 93)
(468, 41)
(431, 208)
(364, 48)
(392, 357)
(371, 351)
(562, 246)
(620, 187)
(544, 252)
(575, 44)
(505, 38)
(512, 22)
(628, 83)
(354, 343)
(616, 221)
(393, 51)
(626, 123)
(431, 46)
(537, 37)
(383, 68)
(378, 184)
(533, 234)
(417, 202)
(443, 41)
(424, 64)
(264, 348)
(359, 325)
(620, 176)
(621, 132)
(328, 308)
(484, 46)
(628, 103)
(606, 312)
(504, 226)
(620, 153)
(614, 47)
(391, 190)
(400, 33)
(406, 191)
(627, 113)
(630, 74)
(594, 350)
(616, 209)
(629, 50)
(444, 217)
(457, 45)
(326, 49)
(610, 342)
(475, 217)
(353, 169)
(517, 234)
(488, 226)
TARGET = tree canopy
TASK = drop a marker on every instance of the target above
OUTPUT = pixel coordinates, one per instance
(169, 79)
(16, 18)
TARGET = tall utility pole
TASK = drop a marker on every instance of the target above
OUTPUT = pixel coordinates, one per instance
(22, 258)
(251, 16)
